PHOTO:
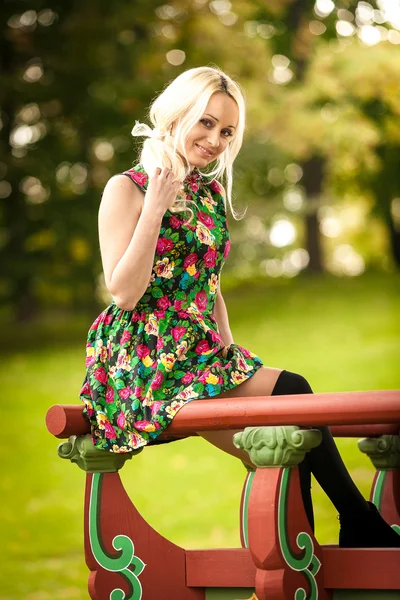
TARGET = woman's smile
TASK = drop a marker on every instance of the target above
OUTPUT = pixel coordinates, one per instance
(203, 151)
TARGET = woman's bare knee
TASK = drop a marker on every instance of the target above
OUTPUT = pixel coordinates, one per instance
(260, 384)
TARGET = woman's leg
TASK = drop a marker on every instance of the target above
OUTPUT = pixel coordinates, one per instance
(325, 462)
(262, 383)
(361, 524)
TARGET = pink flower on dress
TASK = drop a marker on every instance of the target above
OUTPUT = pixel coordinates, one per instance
(89, 411)
(178, 304)
(178, 332)
(215, 336)
(206, 219)
(190, 259)
(125, 393)
(110, 431)
(160, 343)
(201, 300)
(141, 425)
(108, 319)
(121, 420)
(96, 323)
(85, 390)
(142, 351)
(138, 392)
(202, 347)
(157, 381)
(227, 248)
(90, 360)
(141, 178)
(164, 303)
(125, 337)
(187, 378)
(100, 374)
(215, 187)
(156, 407)
(204, 375)
(109, 394)
(192, 181)
(164, 245)
(175, 222)
(160, 314)
(245, 352)
(210, 258)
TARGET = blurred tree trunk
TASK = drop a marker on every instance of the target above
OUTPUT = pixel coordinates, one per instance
(312, 181)
(296, 43)
(16, 266)
(386, 187)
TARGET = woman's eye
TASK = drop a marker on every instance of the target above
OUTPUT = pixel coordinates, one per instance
(226, 132)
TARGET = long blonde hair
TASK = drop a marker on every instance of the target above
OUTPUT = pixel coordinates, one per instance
(183, 101)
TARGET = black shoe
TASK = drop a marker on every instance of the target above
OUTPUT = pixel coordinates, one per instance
(367, 530)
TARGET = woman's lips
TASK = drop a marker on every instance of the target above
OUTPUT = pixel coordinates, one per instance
(203, 151)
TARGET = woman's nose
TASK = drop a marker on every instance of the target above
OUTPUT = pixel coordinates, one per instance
(213, 138)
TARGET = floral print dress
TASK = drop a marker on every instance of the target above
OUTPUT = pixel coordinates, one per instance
(143, 365)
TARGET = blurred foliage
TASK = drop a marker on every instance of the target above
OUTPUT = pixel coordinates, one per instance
(189, 491)
(76, 76)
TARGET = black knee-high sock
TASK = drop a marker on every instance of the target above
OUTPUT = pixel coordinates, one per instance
(324, 461)
(283, 387)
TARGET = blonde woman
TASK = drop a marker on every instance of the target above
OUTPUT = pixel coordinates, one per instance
(165, 338)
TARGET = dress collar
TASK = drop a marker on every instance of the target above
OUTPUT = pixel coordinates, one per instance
(194, 177)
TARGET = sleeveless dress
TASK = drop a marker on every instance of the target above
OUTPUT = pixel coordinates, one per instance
(143, 365)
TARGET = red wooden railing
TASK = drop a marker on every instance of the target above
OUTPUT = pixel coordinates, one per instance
(168, 572)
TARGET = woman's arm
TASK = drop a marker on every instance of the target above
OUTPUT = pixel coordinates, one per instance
(128, 237)
(220, 311)
(221, 316)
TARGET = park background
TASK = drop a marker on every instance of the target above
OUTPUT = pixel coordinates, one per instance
(312, 280)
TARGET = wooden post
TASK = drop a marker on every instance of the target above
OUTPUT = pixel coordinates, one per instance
(127, 558)
(384, 453)
(286, 554)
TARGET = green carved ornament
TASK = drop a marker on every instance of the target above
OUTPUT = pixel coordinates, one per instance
(383, 451)
(81, 450)
(277, 446)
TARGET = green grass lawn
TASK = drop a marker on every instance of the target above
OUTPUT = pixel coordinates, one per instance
(341, 334)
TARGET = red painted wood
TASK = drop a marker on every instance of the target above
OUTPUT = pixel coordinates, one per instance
(360, 431)
(274, 578)
(164, 576)
(343, 568)
(63, 420)
(361, 568)
(390, 500)
(343, 408)
(225, 567)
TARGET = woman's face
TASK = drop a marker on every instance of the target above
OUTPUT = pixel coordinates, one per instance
(215, 129)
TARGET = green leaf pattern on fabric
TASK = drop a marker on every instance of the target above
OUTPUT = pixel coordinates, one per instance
(143, 365)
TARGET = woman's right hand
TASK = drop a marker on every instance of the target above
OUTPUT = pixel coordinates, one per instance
(161, 191)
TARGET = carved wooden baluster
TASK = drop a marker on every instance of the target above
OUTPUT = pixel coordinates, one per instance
(282, 545)
(384, 453)
(127, 558)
